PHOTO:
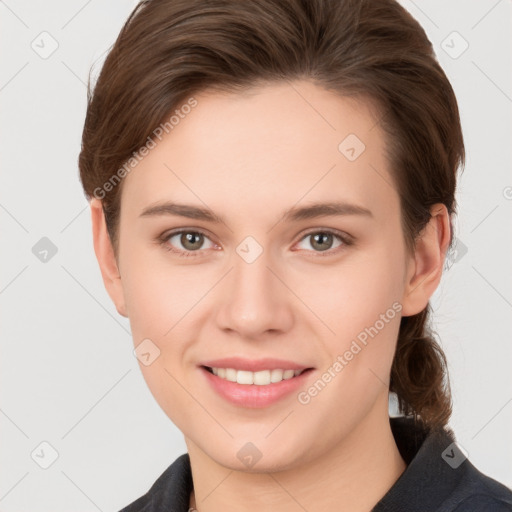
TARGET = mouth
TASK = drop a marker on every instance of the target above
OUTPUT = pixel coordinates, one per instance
(255, 390)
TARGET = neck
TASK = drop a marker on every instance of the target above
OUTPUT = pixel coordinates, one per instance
(354, 475)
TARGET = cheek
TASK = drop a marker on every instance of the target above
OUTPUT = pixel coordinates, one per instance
(360, 304)
(355, 293)
(160, 299)
(157, 292)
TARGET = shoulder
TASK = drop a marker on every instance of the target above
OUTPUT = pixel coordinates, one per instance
(439, 477)
(478, 492)
(171, 491)
(483, 503)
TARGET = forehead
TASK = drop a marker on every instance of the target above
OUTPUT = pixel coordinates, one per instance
(274, 145)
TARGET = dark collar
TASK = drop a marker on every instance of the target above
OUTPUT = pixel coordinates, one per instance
(428, 479)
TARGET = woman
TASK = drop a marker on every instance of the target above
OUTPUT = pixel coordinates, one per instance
(272, 190)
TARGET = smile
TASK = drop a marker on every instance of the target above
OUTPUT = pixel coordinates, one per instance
(263, 388)
(260, 378)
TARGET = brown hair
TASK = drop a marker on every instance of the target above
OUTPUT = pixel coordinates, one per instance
(169, 50)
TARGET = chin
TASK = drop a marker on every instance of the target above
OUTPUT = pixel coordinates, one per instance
(258, 457)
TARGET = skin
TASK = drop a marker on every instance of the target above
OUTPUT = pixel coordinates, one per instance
(249, 157)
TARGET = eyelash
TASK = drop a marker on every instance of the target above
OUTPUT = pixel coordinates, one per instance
(346, 240)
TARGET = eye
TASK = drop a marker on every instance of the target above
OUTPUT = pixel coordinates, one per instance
(186, 243)
(325, 241)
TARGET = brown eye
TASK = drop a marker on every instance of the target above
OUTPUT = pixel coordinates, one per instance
(323, 241)
(186, 243)
(191, 241)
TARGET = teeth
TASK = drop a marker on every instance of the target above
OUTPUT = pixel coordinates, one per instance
(261, 378)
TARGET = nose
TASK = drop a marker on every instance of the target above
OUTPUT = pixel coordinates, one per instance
(254, 300)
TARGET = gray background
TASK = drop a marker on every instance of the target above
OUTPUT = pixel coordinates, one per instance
(68, 374)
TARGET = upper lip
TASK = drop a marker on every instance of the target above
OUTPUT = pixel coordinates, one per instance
(254, 365)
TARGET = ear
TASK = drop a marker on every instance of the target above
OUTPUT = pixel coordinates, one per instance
(425, 267)
(106, 257)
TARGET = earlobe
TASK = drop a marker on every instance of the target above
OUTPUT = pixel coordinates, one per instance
(426, 264)
(106, 257)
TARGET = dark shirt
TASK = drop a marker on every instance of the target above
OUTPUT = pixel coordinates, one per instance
(438, 478)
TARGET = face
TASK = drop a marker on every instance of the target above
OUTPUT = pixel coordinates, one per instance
(268, 275)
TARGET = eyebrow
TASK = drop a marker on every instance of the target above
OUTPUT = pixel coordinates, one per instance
(293, 214)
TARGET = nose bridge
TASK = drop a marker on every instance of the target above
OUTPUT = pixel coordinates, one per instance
(254, 300)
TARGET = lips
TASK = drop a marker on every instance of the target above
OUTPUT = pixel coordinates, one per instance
(261, 393)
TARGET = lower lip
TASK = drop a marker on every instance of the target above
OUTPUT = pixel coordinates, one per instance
(252, 395)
